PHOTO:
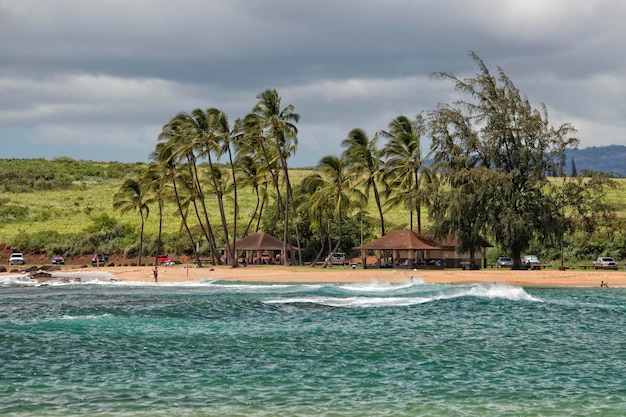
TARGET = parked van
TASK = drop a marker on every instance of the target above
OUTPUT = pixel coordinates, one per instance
(338, 258)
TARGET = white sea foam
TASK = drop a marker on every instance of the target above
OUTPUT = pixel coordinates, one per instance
(17, 280)
(504, 291)
(377, 286)
(496, 291)
(351, 302)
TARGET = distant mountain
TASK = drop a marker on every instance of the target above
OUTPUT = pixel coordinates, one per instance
(610, 159)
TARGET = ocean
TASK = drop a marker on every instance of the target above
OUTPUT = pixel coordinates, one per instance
(216, 348)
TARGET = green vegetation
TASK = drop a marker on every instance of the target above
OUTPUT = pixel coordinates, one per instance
(80, 220)
(498, 173)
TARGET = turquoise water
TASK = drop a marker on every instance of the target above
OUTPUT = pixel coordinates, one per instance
(218, 348)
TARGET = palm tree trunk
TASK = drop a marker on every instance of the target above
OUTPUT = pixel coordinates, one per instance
(207, 230)
(256, 210)
(234, 263)
(184, 218)
(336, 248)
(156, 257)
(418, 202)
(380, 210)
(143, 222)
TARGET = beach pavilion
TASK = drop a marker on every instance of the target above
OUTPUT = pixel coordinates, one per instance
(261, 248)
(407, 248)
(414, 250)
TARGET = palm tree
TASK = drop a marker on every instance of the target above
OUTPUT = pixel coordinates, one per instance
(156, 180)
(131, 197)
(227, 140)
(168, 160)
(335, 186)
(404, 166)
(316, 211)
(275, 128)
(201, 138)
(363, 157)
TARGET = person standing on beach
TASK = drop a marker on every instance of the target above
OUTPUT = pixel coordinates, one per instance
(155, 272)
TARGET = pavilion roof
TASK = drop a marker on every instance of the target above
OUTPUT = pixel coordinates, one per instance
(401, 239)
(260, 241)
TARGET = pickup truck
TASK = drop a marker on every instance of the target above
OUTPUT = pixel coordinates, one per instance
(604, 262)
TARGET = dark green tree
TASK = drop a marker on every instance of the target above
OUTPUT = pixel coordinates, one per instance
(499, 130)
(459, 209)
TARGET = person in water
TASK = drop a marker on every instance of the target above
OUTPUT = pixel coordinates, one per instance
(604, 284)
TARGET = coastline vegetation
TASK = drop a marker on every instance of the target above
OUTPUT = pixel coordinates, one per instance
(495, 170)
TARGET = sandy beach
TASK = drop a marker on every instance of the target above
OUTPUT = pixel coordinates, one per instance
(273, 273)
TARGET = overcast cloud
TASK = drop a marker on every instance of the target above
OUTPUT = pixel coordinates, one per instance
(97, 79)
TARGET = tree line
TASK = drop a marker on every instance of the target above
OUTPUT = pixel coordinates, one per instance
(492, 156)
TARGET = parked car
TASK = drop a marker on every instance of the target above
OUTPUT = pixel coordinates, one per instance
(99, 259)
(604, 262)
(17, 258)
(164, 259)
(531, 262)
(338, 258)
(504, 262)
(58, 260)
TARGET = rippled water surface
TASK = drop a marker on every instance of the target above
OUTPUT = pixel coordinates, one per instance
(236, 349)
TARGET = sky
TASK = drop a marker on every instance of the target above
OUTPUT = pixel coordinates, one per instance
(97, 79)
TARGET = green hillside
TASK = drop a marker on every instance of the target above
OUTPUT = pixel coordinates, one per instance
(66, 204)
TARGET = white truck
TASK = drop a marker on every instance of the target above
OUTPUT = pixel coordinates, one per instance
(338, 258)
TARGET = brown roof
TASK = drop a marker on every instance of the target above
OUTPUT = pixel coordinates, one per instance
(259, 241)
(401, 239)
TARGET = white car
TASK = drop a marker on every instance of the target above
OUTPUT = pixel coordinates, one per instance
(604, 262)
(531, 262)
(16, 259)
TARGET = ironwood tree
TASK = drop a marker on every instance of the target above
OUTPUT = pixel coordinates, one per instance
(497, 129)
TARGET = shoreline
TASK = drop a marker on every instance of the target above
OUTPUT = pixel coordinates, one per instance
(286, 274)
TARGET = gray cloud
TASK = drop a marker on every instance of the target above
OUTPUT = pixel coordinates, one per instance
(97, 80)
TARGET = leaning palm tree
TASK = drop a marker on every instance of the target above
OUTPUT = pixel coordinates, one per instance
(156, 180)
(404, 168)
(206, 134)
(131, 196)
(318, 211)
(165, 156)
(364, 158)
(227, 144)
(335, 186)
(275, 128)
